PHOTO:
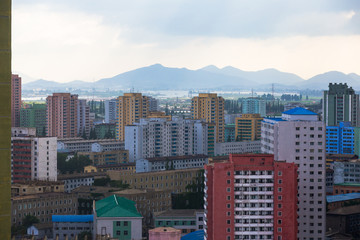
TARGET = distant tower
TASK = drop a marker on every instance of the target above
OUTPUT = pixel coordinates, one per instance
(210, 107)
(62, 115)
(131, 107)
(340, 104)
(15, 100)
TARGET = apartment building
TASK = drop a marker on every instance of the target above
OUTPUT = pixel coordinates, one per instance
(340, 104)
(111, 112)
(343, 139)
(158, 137)
(108, 157)
(170, 163)
(34, 116)
(248, 127)
(83, 119)
(210, 107)
(91, 145)
(62, 115)
(131, 108)
(251, 197)
(253, 105)
(32, 158)
(227, 148)
(15, 100)
(298, 137)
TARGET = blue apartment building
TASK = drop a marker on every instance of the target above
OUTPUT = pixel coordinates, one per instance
(342, 139)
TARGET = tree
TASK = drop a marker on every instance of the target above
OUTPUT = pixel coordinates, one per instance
(75, 164)
(29, 220)
(85, 235)
(84, 134)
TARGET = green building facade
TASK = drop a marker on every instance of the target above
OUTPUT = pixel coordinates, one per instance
(5, 118)
(34, 115)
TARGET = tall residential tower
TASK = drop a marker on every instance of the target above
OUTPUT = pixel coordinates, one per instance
(15, 100)
(131, 108)
(340, 104)
(210, 107)
(299, 137)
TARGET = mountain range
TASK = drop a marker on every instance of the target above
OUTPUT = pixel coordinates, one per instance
(158, 77)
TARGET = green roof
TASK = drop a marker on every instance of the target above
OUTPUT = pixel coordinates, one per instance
(115, 206)
(348, 184)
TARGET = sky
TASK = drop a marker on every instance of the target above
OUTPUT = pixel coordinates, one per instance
(66, 40)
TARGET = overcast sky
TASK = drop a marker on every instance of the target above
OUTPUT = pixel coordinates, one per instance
(65, 40)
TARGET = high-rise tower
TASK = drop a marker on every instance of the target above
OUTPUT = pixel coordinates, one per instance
(210, 107)
(5, 118)
(340, 104)
(15, 100)
(131, 107)
(62, 115)
(299, 137)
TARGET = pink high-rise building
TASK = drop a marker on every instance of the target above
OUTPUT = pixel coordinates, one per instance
(62, 115)
(15, 100)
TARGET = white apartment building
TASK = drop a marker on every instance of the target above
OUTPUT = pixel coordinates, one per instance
(110, 111)
(32, 158)
(298, 137)
(227, 148)
(91, 145)
(157, 137)
(170, 163)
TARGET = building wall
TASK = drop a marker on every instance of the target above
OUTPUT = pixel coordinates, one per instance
(254, 105)
(302, 143)
(229, 134)
(107, 224)
(210, 107)
(248, 127)
(34, 116)
(5, 117)
(62, 115)
(240, 198)
(346, 188)
(68, 230)
(15, 100)
(346, 172)
(110, 111)
(83, 119)
(238, 147)
(131, 108)
(175, 180)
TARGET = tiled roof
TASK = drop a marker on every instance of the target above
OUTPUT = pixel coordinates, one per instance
(299, 111)
(115, 206)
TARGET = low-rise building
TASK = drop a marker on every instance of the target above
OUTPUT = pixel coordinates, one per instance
(170, 163)
(227, 148)
(186, 220)
(104, 168)
(90, 145)
(343, 188)
(69, 226)
(164, 233)
(108, 157)
(345, 220)
(148, 201)
(331, 158)
(118, 218)
(40, 230)
(174, 180)
(72, 181)
(42, 206)
(36, 187)
(346, 171)
(342, 200)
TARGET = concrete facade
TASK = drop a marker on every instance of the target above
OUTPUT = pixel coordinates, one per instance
(227, 148)
(342, 139)
(248, 127)
(15, 100)
(298, 137)
(111, 112)
(83, 119)
(253, 105)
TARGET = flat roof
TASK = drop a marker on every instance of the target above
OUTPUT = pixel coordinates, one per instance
(348, 184)
(355, 209)
(342, 197)
(72, 218)
(180, 212)
(176, 157)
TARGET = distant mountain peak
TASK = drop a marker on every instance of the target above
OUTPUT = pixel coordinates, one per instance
(210, 68)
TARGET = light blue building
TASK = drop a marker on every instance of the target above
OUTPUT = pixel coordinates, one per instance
(253, 105)
(230, 132)
(342, 139)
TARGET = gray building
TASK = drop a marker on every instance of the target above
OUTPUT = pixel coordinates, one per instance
(111, 111)
(170, 163)
(227, 148)
(69, 226)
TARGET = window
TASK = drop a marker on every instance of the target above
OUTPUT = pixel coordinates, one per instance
(118, 233)
(125, 223)
(279, 173)
(126, 233)
(118, 223)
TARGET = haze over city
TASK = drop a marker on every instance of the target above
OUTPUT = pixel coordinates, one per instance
(89, 40)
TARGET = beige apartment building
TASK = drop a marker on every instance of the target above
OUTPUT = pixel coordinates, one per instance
(174, 180)
(62, 115)
(210, 107)
(131, 107)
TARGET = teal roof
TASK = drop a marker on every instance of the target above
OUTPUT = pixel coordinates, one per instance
(115, 206)
(299, 111)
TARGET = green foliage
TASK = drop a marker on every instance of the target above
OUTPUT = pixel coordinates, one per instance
(102, 182)
(29, 220)
(92, 134)
(18, 230)
(75, 164)
(194, 197)
(107, 182)
(82, 235)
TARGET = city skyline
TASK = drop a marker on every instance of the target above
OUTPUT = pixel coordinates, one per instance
(304, 38)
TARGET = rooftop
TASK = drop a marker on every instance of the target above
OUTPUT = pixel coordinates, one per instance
(179, 212)
(342, 197)
(355, 209)
(299, 111)
(176, 158)
(72, 218)
(165, 229)
(114, 206)
(348, 184)
(197, 235)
